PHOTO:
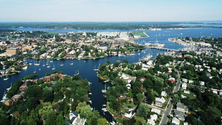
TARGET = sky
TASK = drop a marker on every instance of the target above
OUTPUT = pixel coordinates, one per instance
(109, 10)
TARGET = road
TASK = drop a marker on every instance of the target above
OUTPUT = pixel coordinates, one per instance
(170, 105)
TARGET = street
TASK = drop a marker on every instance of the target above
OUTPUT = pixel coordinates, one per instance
(170, 105)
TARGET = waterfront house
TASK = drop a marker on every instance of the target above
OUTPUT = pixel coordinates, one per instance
(124, 98)
(8, 102)
(23, 87)
(75, 119)
(16, 97)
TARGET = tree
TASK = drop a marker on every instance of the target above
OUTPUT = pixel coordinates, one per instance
(143, 110)
(138, 99)
(150, 98)
(101, 121)
(86, 112)
(80, 106)
(51, 118)
(47, 107)
(59, 120)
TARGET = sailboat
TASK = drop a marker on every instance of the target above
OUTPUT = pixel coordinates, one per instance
(9, 88)
(34, 71)
(39, 68)
(37, 64)
(77, 73)
(53, 67)
(6, 78)
(25, 67)
(48, 66)
(104, 90)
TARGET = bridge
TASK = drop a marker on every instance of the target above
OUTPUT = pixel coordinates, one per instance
(164, 49)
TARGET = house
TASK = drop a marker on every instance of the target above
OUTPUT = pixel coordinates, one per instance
(159, 101)
(175, 121)
(23, 87)
(142, 79)
(191, 81)
(152, 119)
(75, 119)
(184, 80)
(180, 115)
(16, 97)
(16, 114)
(202, 83)
(181, 107)
(8, 102)
(184, 85)
(129, 115)
(124, 98)
(172, 79)
(163, 93)
(157, 111)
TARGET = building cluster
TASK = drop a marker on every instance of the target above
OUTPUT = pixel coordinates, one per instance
(24, 87)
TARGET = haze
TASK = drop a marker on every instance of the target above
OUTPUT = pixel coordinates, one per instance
(109, 10)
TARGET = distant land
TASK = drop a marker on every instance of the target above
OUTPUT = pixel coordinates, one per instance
(111, 25)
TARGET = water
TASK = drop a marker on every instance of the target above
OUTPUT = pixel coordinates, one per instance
(86, 67)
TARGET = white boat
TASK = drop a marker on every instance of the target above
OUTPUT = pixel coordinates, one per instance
(43, 65)
(51, 61)
(34, 71)
(4, 97)
(39, 68)
(48, 66)
(36, 64)
(61, 64)
(104, 90)
(96, 69)
(71, 64)
(104, 109)
(9, 88)
(30, 63)
(6, 78)
(53, 67)
(25, 67)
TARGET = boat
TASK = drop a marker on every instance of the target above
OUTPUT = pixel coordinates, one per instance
(48, 66)
(61, 64)
(34, 71)
(104, 90)
(36, 64)
(25, 67)
(9, 88)
(104, 109)
(6, 78)
(90, 93)
(50, 61)
(43, 65)
(71, 63)
(39, 68)
(53, 67)
(30, 63)
(90, 101)
(138, 53)
(4, 97)
(96, 69)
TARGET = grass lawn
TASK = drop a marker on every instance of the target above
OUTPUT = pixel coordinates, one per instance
(190, 96)
(141, 34)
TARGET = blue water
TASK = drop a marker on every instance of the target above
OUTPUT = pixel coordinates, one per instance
(86, 67)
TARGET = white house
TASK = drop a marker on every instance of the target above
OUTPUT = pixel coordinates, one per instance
(157, 111)
(163, 93)
(184, 85)
(175, 121)
(159, 101)
(75, 119)
(202, 83)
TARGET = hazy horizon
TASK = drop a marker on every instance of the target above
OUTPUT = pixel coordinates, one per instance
(110, 11)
